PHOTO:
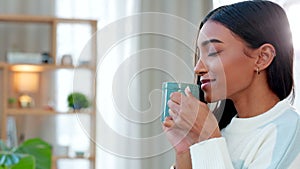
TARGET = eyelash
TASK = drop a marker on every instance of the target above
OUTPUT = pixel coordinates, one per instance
(213, 54)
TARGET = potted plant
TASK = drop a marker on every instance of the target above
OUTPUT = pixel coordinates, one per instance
(31, 154)
(12, 102)
(77, 101)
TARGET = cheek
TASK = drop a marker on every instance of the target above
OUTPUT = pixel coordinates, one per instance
(238, 74)
(233, 72)
(218, 71)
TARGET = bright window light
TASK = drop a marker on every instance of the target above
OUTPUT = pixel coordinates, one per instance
(293, 13)
(217, 3)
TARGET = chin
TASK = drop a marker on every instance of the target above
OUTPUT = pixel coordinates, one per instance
(208, 99)
(211, 99)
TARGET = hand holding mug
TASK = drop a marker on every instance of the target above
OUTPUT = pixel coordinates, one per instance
(190, 121)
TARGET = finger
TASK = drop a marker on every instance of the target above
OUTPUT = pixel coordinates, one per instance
(187, 91)
(176, 97)
(168, 118)
(168, 122)
(174, 106)
(172, 114)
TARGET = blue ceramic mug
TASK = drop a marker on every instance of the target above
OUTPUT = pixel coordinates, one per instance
(170, 87)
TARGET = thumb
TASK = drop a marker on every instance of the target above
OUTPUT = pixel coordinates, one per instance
(187, 91)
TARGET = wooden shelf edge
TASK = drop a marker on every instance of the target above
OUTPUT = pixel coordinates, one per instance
(25, 111)
(42, 19)
(3, 64)
(55, 158)
(25, 18)
(47, 66)
(33, 111)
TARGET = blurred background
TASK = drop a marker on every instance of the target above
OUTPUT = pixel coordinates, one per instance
(139, 44)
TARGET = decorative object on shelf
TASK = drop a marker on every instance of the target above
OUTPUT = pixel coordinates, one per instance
(66, 60)
(61, 151)
(26, 101)
(50, 105)
(77, 101)
(82, 63)
(31, 154)
(46, 58)
(11, 127)
(80, 154)
(12, 102)
(24, 57)
(26, 82)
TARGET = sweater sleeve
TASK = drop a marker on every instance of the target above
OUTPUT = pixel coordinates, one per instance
(212, 153)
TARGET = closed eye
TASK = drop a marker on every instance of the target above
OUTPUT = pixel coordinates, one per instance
(213, 53)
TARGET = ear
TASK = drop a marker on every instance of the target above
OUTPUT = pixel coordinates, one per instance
(266, 54)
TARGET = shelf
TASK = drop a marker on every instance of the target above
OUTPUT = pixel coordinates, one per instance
(42, 19)
(26, 111)
(49, 67)
(36, 111)
(25, 18)
(54, 82)
(3, 64)
(55, 158)
(44, 67)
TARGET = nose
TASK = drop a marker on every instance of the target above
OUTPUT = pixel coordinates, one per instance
(200, 68)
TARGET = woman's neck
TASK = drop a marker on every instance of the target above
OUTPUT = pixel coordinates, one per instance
(254, 101)
(253, 107)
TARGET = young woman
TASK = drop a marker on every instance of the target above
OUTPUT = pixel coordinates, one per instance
(245, 54)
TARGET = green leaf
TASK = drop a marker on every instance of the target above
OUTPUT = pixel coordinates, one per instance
(77, 100)
(39, 149)
(14, 158)
(2, 159)
(26, 162)
(9, 159)
(3, 146)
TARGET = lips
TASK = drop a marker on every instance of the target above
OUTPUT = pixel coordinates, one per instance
(205, 83)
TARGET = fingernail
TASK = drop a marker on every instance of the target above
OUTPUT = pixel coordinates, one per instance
(188, 88)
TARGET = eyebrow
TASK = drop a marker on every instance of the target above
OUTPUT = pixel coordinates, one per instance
(204, 43)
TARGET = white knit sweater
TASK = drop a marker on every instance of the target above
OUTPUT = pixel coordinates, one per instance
(267, 141)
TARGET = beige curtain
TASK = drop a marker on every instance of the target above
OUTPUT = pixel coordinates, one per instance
(143, 44)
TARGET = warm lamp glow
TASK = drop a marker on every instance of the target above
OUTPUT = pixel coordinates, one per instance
(26, 82)
(26, 68)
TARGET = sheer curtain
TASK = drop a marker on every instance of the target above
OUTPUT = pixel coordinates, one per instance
(116, 43)
(143, 45)
(140, 45)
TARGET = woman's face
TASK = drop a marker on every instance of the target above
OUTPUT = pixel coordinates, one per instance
(225, 69)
